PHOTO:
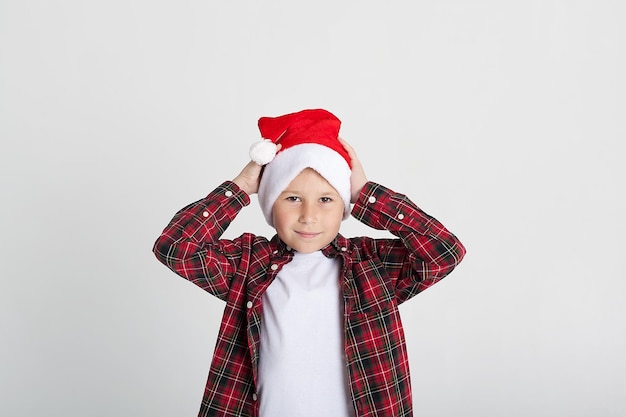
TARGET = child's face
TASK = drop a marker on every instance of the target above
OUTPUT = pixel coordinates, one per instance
(308, 213)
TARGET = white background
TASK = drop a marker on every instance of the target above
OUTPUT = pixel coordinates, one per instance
(503, 119)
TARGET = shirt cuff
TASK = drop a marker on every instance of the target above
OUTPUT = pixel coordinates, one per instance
(223, 203)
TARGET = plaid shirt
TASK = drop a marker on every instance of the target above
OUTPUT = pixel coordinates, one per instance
(377, 275)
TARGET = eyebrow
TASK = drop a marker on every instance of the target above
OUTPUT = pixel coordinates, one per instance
(324, 194)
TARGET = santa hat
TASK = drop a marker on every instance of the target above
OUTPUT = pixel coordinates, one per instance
(308, 139)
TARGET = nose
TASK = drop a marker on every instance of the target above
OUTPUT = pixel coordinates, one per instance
(308, 214)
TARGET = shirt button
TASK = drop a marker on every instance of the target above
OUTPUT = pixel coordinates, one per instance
(275, 252)
(400, 216)
(343, 249)
(372, 199)
(249, 304)
(228, 193)
(254, 397)
(205, 214)
(274, 267)
(288, 248)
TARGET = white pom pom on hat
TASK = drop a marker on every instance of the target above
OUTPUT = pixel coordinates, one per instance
(263, 152)
(308, 139)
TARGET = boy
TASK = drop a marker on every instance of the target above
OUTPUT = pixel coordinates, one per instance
(311, 325)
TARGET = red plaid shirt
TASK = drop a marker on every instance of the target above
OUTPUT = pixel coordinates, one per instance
(377, 275)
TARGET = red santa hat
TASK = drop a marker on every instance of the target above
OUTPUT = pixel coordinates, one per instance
(308, 139)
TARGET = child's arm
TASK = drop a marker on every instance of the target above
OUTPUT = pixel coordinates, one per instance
(426, 251)
(190, 244)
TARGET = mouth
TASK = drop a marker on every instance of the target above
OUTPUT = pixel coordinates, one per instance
(307, 235)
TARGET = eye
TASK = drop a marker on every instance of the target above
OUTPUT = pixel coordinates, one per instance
(326, 200)
(292, 198)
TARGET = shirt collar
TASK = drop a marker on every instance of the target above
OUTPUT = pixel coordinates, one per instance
(339, 245)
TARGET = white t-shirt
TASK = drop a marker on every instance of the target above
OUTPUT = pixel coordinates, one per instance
(302, 369)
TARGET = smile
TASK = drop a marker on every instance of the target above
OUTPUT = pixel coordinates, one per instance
(307, 235)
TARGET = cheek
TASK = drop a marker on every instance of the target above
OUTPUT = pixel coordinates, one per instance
(281, 216)
(334, 219)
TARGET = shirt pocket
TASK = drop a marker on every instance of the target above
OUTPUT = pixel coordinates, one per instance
(373, 288)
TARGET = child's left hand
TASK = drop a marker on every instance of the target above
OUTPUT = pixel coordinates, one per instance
(357, 178)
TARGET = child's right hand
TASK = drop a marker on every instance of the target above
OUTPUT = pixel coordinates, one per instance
(248, 178)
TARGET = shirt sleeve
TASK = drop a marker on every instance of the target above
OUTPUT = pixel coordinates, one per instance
(424, 253)
(190, 244)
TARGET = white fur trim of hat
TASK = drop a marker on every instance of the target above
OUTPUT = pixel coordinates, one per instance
(288, 163)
